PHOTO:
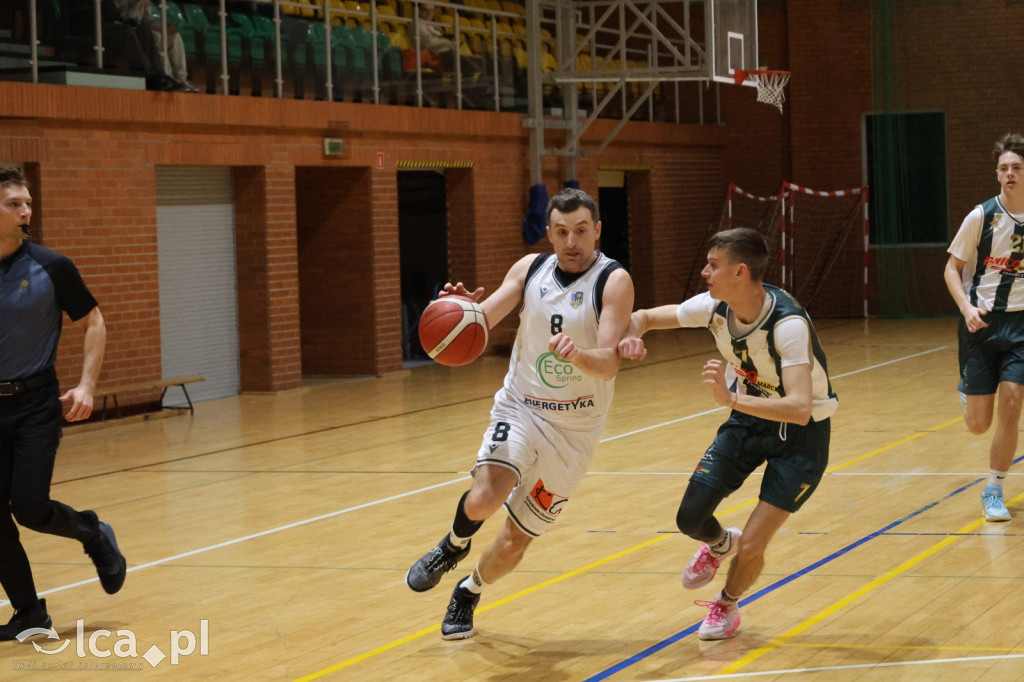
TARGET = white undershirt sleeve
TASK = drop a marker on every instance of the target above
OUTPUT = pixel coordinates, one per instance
(793, 341)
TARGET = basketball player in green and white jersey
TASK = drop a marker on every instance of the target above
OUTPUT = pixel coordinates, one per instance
(985, 276)
(547, 419)
(775, 382)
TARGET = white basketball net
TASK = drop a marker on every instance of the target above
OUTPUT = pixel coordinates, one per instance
(770, 86)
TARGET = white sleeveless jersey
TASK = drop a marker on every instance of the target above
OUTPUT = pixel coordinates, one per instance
(756, 357)
(990, 241)
(555, 390)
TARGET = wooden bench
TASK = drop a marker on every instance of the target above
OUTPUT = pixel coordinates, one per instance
(112, 391)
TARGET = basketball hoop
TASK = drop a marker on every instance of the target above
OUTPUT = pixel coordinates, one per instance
(769, 84)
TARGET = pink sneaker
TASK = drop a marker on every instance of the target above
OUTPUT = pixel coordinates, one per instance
(721, 621)
(704, 564)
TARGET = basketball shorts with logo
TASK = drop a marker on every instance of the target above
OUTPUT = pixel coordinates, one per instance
(992, 354)
(549, 462)
(795, 456)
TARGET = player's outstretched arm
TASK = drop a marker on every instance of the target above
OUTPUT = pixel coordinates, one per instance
(509, 295)
(631, 346)
(603, 361)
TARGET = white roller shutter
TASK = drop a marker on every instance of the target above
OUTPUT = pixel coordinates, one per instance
(198, 289)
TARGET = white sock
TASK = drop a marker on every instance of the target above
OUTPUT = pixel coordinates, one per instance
(722, 546)
(996, 477)
(455, 541)
(473, 582)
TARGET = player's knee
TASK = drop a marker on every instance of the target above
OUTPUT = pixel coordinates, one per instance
(693, 523)
(977, 420)
(977, 425)
(481, 503)
(1010, 404)
(512, 546)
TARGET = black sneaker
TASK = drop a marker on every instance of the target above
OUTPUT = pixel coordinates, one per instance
(458, 622)
(24, 619)
(110, 564)
(427, 571)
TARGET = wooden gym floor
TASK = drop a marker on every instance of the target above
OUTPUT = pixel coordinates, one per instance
(287, 522)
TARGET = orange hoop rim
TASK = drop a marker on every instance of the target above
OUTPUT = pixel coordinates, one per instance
(741, 75)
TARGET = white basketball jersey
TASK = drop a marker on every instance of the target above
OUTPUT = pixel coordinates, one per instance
(990, 241)
(555, 390)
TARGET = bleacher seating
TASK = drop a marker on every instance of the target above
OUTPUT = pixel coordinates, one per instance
(490, 33)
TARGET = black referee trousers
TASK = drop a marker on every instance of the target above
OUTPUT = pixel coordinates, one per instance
(30, 431)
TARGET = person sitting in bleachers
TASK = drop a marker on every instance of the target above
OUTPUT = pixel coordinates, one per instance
(139, 36)
(433, 40)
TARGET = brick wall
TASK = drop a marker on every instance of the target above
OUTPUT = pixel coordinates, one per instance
(939, 59)
(317, 238)
(93, 167)
(336, 247)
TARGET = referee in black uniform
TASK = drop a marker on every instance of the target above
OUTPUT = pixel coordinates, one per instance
(37, 286)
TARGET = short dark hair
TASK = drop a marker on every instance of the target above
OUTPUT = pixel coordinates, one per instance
(746, 246)
(12, 177)
(1010, 142)
(570, 199)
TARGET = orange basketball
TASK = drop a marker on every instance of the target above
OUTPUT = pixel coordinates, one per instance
(453, 330)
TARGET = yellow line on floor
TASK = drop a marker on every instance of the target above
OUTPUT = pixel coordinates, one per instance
(782, 640)
(416, 635)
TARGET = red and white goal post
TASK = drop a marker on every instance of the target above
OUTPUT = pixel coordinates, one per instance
(817, 243)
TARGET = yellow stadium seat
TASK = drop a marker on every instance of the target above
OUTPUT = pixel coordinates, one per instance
(548, 61)
(399, 40)
(521, 57)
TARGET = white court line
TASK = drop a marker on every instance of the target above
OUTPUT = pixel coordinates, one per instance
(888, 474)
(890, 362)
(859, 666)
(339, 512)
(228, 543)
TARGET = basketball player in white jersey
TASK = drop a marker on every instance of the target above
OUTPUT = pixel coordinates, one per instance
(547, 419)
(985, 276)
(775, 383)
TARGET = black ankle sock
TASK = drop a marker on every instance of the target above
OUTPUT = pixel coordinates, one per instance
(725, 596)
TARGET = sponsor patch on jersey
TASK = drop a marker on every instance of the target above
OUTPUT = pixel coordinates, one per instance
(1011, 265)
(572, 405)
(749, 374)
(556, 373)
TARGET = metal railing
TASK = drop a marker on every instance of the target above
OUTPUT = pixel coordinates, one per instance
(502, 80)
